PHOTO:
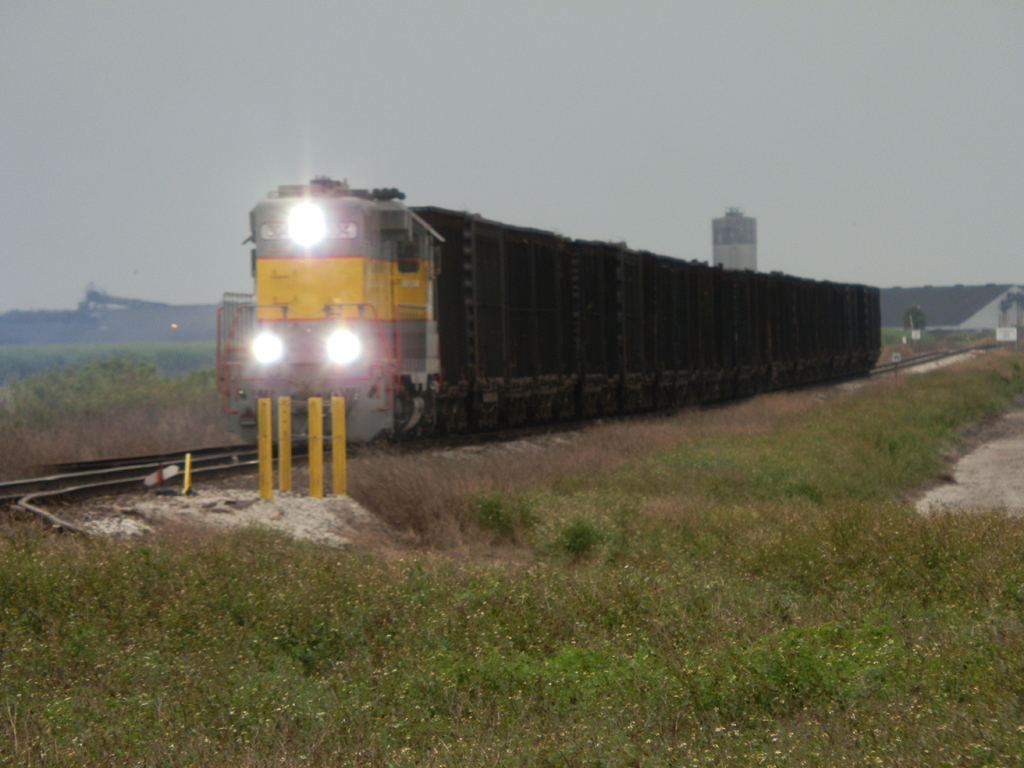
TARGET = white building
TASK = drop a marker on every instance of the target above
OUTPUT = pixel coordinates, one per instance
(956, 307)
(735, 241)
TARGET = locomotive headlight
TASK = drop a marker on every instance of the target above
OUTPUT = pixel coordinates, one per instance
(306, 224)
(267, 348)
(343, 346)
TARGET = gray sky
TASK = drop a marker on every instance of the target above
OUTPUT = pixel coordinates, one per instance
(878, 142)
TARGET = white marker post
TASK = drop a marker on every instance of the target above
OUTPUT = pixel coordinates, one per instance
(158, 477)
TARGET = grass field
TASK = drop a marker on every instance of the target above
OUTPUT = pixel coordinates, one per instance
(104, 409)
(21, 361)
(756, 595)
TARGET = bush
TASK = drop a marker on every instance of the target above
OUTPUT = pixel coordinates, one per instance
(580, 537)
(505, 516)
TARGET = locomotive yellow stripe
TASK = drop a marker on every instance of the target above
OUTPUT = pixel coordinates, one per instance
(306, 286)
(300, 289)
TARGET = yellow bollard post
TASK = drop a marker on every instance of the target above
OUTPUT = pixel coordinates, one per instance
(188, 474)
(316, 447)
(284, 443)
(339, 477)
(266, 449)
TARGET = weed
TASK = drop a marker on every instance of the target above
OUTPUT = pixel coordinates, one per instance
(507, 516)
(580, 537)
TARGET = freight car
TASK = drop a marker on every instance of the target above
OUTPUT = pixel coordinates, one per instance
(431, 321)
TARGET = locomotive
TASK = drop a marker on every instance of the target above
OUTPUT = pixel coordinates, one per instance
(431, 321)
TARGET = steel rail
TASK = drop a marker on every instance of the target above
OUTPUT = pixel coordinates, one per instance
(118, 469)
(198, 454)
(25, 502)
(927, 357)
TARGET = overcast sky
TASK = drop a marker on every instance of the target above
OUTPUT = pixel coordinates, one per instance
(879, 142)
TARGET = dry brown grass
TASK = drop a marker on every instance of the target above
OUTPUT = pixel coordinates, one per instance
(27, 451)
(427, 494)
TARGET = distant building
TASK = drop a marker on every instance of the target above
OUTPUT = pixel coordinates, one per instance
(735, 241)
(956, 307)
(107, 319)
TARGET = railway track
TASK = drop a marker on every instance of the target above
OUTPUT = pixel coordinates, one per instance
(124, 472)
(91, 477)
(928, 357)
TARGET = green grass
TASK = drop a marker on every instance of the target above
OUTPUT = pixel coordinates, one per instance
(104, 409)
(896, 336)
(864, 449)
(750, 600)
(97, 387)
(508, 517)
(21, 361)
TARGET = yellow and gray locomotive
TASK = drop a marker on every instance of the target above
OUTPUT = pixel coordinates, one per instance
(343, 305)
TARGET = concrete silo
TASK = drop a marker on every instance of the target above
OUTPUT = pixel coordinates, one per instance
(735, 241)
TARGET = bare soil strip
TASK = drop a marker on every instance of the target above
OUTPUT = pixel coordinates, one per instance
(991, 474)
(335, 521)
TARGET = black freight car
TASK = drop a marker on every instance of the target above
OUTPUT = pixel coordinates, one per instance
(535, 327)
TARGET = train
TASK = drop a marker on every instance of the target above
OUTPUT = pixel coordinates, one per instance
(434, 322)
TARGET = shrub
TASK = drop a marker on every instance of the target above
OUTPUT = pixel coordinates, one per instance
(504, 515)
(580, 537)
(100, 386)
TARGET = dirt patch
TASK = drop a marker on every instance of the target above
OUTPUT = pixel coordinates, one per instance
(335, 521)
(985, 468)
(964, 357)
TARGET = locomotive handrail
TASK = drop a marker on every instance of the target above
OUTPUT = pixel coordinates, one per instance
(223, 364)
(219, 343)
